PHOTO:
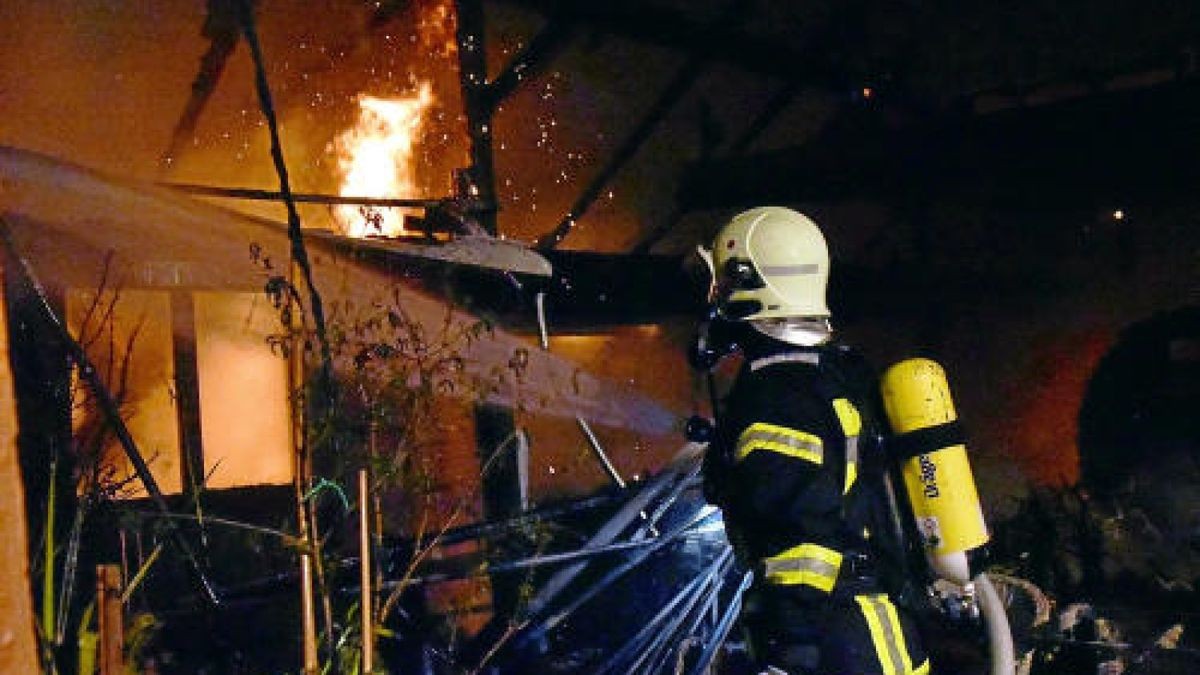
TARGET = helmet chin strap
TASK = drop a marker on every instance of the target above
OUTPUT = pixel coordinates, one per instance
(799, 331)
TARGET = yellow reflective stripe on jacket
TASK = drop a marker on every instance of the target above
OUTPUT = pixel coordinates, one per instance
(851, 422)
(851, 463)
(888, 636)
(807, 564)
(790, 442)
(848, 417)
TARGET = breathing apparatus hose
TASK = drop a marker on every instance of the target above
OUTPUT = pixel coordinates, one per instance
(995, 621)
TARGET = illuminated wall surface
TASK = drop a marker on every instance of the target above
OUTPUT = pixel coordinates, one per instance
(243, 391)
(127, 335)
(243, 385)
(18, 649)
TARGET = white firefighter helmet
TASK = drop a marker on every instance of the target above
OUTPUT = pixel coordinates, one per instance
(770, 264)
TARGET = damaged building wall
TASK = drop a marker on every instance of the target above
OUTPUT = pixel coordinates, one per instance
(106, 227)
(18, 644)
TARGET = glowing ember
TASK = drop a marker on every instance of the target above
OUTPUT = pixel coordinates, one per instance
(376, 160)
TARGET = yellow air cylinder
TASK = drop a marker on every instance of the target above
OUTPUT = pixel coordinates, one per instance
(937, 474)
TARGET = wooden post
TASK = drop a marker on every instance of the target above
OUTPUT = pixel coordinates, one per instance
(187, 389)
(364, 575)
(308, 612)
(18, 644)
(377, 518)
(303, 471)
(495, 433)
(111, 619)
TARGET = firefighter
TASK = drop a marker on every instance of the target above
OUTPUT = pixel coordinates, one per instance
(792, 463)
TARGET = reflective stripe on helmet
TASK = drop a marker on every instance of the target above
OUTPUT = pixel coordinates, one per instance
(790, 442)
(806, 564)
(791, 270)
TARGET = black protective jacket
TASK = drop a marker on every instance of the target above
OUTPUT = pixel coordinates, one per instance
(775, 500)
(797, 468)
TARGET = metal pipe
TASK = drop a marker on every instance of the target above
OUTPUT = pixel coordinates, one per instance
(500, 527)
(543, 331)
(526, 563)
(710, 610)
(611, 470)
(688, 480)
(635, 559)
(522, 470)
(691, 593)
(722, 630)
(594, 444)
(609, 531)
(300, 197)
(661, 648)
(585, 552)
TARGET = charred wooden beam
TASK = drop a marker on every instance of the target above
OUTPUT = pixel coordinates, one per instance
(222, 30)
(476, 96)
(531, 60)
(501, 484)
(679, 85)
(774, 106)
(187, 389)
(675, 89)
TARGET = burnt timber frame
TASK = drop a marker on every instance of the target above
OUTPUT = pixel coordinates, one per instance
(481, 99)
(721, 40)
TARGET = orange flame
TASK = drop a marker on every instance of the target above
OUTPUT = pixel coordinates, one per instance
(376, 160)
